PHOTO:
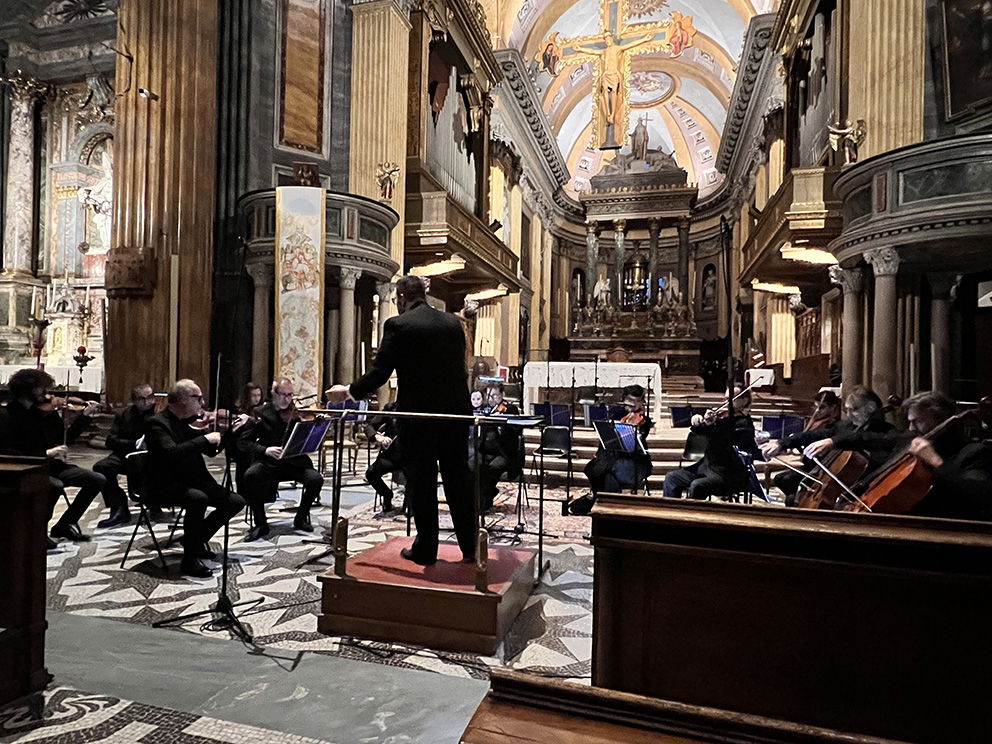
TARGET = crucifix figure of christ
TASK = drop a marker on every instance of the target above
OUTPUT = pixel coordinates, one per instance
(611, 51)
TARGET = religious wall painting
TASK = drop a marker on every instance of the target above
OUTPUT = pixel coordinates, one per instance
(299, 277)
(95, 202)
(967, 42)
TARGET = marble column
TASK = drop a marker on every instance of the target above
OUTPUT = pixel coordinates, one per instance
(619, 237)
(262, 277)
(346, 320)
(940, 331)
(386, 309)
(885, 265)
(851, 282)
(654, 229)
(592, 258)
(25, 92)
(683, 264)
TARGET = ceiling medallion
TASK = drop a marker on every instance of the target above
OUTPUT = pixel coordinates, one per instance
(641, 8)
(74, 10)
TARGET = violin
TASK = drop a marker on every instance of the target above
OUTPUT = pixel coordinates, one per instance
(220, 420)
(499, 408)
(635, 418)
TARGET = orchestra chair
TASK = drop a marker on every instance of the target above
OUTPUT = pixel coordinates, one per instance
(134, 464)
(556, 441)
(694, 449)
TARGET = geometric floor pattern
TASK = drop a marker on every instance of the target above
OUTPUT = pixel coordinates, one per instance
(62, 715)
(552, 636)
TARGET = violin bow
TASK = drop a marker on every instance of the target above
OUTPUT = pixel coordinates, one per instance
(847, 491)
(798, 471)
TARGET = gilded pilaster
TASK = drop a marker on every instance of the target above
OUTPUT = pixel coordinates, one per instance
(379, 73)
(887, 78)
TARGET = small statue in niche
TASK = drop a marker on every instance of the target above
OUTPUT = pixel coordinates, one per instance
(601, 292)
(306, 174)
(386, 176)
(849, 137)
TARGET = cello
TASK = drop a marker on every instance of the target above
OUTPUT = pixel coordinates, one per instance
(906, 480)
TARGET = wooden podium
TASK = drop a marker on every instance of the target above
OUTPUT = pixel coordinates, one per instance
(23, 519)
(388, 598)
(875, 625)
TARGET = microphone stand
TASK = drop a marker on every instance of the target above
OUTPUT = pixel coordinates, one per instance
(223, 609)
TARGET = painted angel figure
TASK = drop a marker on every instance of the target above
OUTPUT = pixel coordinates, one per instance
(386, 176)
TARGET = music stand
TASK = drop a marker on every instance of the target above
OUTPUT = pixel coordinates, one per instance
(618, 437)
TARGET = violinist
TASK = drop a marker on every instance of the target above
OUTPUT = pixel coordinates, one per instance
(720, 471)
(176, 475)
(499, 446)
(31, 425)
(614, 471)
(251, 398)
(263, 439)
(383, 430)
(128, 428)
(865, 429)
(962, 469)
(822, 425)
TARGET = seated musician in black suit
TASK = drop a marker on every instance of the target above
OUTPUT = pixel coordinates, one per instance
(31, 425)
(616, 471)
(128, 427)
(384, 431)
(721, 471)
(961, 468)
(864, 429)
(499, 446)
(176, 475)
(263, 439)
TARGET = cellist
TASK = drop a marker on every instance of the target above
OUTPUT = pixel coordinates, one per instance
(961, 469)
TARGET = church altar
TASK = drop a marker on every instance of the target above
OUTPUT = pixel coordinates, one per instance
(603, 374)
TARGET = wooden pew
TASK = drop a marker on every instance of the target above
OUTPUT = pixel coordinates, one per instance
(24, 488)
(873, 624)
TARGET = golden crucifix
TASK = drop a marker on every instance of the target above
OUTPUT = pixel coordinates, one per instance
(610, 51)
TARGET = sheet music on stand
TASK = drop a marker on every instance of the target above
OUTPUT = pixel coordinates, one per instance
(305, 438)
(619, 437)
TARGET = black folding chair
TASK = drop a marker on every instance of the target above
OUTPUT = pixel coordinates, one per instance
(134, 464)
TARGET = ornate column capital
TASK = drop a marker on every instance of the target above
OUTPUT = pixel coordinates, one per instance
(385, 290)
(592, 228)
(620, 227)
(883, 261)
(348, 277)
(849, 280)
(24, 88)
(261, 274)
(682, 224)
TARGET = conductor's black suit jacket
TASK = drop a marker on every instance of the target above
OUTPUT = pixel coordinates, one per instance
(426, 347)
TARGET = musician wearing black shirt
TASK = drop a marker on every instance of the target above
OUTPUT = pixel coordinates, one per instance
(128, 427)
(263, 439)
(499, 446)
(176, 475)
(384, 431)
(30, 425)
(721, 471)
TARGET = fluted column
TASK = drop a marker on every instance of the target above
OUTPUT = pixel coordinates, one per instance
(379, 62)
(262, 277)
(25, 92)
(885, 265)
(940, 331)
(851, 282)
(346, 318)
(619, 238)
(654, 229)
(889, 97)
(683, 264)
(592, 258)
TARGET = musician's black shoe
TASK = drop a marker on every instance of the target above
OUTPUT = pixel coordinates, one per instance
(193, 567)
(581, 506)
(206, 553)
(302, 522)
(257, 532)
(118, 517)
(411, 556)
(69, 532)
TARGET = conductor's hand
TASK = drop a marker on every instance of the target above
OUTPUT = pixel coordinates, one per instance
(819, 448)
(336, 394)
(213, 437)
(58, 453)
(273, 451)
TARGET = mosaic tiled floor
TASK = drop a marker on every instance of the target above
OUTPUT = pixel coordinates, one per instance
(552, 635)
(66, 715)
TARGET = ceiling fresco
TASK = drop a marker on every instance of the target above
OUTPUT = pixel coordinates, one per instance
(600, 66)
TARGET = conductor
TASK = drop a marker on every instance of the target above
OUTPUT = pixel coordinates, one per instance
(426, 347)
